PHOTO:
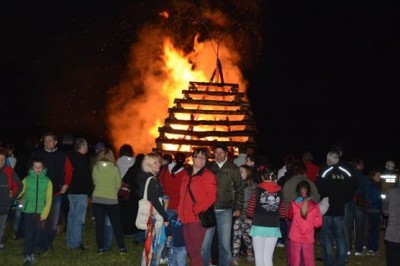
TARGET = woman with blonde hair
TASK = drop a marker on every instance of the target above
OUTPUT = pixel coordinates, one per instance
(107, 181)
(151, 167)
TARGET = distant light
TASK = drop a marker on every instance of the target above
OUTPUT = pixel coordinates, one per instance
(104, 164)
(383, 196)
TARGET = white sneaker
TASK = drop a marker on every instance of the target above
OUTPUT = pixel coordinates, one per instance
(280, 245)
(164, 261)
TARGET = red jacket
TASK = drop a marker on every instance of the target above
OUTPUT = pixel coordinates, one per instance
(172, 185)
(302, 230)
(311, 170)
(204, 189)
(14, 186)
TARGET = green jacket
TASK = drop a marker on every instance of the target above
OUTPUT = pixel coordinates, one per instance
(37, 193)
(107, 181)
(230, 187)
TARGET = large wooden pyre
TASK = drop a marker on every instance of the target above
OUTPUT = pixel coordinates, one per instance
(208, 113)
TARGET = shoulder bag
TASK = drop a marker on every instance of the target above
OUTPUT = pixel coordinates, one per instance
(144, 210)
(207, 218)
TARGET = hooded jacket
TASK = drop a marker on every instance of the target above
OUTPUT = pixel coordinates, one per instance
(37, 194)
(264, 204)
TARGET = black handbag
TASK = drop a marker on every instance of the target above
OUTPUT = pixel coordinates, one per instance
(207, 218)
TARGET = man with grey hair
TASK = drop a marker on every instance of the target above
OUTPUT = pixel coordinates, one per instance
(80, 189)
(337, 183)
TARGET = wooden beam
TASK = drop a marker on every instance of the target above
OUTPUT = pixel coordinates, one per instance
(202, 142)
(213, 93)
(202, 134)
(209, 102)
(211, 112)
(209, 122)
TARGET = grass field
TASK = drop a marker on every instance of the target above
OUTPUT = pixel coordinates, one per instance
(61, 255)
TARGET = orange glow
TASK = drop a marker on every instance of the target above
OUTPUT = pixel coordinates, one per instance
(156, 77)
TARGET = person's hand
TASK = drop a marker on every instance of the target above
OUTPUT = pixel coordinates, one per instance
(63, 189)
(236, 213)
(10, 194)
(166, 224)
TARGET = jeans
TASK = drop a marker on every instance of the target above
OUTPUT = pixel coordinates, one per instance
(17, 217)
(32, 225)
(76, 219)
(49, 229)
(224, 227)
(349, 213)
(112, 211)
(178, 256)
(108, 234)
(360, 219)
(333, 230)
(374, 221)
(3, 220)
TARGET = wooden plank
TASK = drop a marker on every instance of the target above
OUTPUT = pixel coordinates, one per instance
(210, 112)
(209, 102)
(213, 93)
(202, 134)
(202, 142)
(209, 122)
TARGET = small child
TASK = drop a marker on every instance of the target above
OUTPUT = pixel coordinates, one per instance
(306, 216)
(36, 196)
(175, 242)
(242, 225)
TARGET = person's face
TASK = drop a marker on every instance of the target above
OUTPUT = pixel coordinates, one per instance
(219, 155)
(303, 192)
(2, 160)
(243, 173)
(155, 166)
(84, 148)
(49, 143)
(377, 177)
(37, 167)
(199, 160)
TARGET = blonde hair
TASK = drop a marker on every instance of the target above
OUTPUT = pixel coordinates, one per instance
(149, 160)
(106, 155)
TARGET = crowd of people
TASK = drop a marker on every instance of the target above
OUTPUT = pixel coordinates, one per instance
(257, 208)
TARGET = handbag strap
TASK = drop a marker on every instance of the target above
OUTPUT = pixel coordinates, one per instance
(145, 187)
(190, 191)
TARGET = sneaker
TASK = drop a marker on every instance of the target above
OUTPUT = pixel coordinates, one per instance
(234, 262)
(358, 254)
(27, 261)
(100, 251)
(280, 245)
(123, 251)
(373, 253)
(164, 260)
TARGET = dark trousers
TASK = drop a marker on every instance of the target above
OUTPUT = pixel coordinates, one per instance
(112, 211)
(32, 226)
(392, 253)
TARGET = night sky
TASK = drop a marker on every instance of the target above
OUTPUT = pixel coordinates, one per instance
(318, 72)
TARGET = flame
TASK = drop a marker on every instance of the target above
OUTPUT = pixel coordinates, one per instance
(138, 106)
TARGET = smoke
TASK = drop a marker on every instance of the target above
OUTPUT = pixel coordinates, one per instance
(139, 104)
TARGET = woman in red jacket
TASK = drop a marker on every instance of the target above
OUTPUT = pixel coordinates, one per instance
(203, 185)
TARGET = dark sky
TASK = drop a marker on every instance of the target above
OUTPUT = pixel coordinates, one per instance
(326, 73)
